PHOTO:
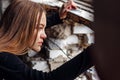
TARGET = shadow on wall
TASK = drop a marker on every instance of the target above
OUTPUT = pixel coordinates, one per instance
(107, 46)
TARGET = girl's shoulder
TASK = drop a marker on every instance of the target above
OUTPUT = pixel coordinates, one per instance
(9, 58)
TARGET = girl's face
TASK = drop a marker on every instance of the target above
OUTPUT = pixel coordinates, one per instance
(41, 33)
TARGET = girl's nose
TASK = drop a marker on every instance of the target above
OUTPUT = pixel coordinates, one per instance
(44, 35)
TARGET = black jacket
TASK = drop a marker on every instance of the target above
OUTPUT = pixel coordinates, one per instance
(53, 19)
(12, 68)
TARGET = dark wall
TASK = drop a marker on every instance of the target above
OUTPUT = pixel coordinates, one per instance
(107, 39)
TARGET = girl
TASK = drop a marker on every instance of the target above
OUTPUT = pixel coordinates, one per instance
(22, 27)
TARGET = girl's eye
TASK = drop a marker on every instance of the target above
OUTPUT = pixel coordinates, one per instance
(40, 27)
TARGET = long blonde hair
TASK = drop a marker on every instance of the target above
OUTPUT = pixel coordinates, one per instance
(17, 26)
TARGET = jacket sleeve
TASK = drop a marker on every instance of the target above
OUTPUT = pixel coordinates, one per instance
(73, 68)
(53, 19)
(68, 71)
(17, 70)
